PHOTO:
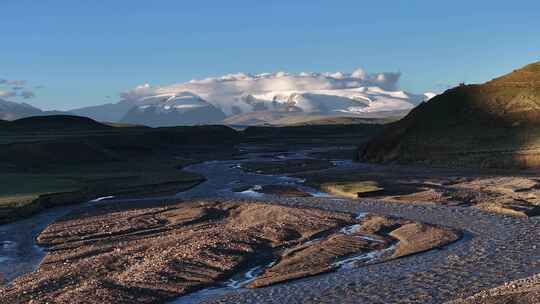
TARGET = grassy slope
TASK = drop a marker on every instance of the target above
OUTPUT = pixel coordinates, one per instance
(496, 124)
(82, 159)
(75, 159)
(313, 131)
(23, 193)
(351, 189)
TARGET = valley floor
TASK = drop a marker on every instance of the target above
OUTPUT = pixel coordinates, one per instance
(495, 248)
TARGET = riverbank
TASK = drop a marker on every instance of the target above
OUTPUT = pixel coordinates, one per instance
(24, 195)
(503, 192)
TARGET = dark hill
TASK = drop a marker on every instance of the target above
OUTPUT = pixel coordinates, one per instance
(39, 142)
(55, 123)
(496, 124)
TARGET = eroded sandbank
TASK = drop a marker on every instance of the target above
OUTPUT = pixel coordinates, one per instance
(148, 252)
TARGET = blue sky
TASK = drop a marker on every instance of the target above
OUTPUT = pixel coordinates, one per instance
(80, 52)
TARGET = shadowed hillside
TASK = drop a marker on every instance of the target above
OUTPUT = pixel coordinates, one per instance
(55, 160)
(58, 140)
(53, 123)
(496, 124)
(76, 158)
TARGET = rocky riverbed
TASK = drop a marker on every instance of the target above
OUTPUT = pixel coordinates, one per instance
(523, 291)
(395, 264)
(145, 252)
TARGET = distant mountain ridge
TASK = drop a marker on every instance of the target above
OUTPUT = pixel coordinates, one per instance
(180, 109)
(495, 124)
(110, 112)
(53, 123)
(247, 99)
(250, 99)
(10, 110)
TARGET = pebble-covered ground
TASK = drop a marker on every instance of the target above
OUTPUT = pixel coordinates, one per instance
(496, 250)
(523, 291)
(153, 252)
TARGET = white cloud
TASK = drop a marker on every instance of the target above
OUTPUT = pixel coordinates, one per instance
(15, 83)
(15, 88)
(27, 94)
(138, 92)
(7, 94)
(226, 91)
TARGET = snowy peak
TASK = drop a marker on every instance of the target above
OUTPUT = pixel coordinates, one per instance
(182, 108)
(327, 93)
(180, 102)
(351, 101)
(280, 94)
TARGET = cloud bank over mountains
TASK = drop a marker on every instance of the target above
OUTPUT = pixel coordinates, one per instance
(243, 99)
(230, 92)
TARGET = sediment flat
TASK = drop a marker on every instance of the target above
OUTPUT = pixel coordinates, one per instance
(149, 252)
(496, 249)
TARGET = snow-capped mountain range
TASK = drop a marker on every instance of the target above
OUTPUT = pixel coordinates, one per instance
(245, 98)
(183, 108)
(333, 94)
